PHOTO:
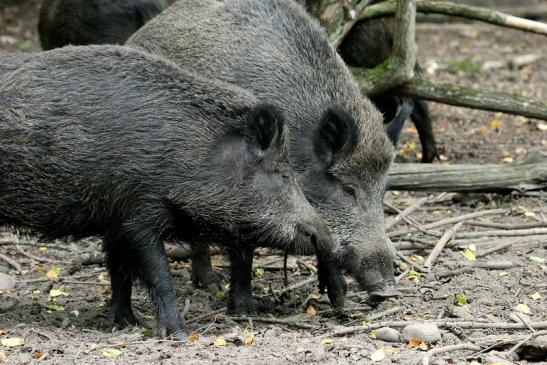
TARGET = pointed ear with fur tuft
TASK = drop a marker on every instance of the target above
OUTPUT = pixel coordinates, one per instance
(265, 130)
(393, 128)
(335, 136)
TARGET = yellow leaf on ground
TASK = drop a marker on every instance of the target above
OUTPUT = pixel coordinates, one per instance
(508, 159)
(327, 341)
(378, 355)
(468, 254)
(523, 308)
(311, 311)
(111, 353)
(220, 342)
(300, 349)
(53, 273)
(529, 214)
(248, 340)
(56, 293)
(13, 341)
(495, 123)
(193, 337)
(535, 296)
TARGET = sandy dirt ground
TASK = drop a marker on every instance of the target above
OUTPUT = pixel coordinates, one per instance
(59, 307)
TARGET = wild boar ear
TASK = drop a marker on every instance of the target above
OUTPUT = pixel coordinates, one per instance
(335, 136)
(264, 130)
(393, 128)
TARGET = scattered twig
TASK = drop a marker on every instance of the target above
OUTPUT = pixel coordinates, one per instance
(491, 265)
(297, 285)
(441, 350)
(186, 308)
(439, 323)
(40, 259)
(448, 221)
(402, 275)
(411, 209)
(531, 336)
(506, 226)
(504, 233)
(206, 315)
(417, 266)
(525, 322)
(286, 322)
(499, 247)
(312, 268)
(11, 261)
(447, 236)
(376, 315)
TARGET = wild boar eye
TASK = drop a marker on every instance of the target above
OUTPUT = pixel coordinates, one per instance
(349, 190)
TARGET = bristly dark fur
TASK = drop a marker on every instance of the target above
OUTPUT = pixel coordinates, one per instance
(113, 142)
(84, 22)
(274, 49)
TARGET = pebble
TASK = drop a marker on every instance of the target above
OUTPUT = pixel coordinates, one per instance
(388, 334)
(425, 332)
(6, 282)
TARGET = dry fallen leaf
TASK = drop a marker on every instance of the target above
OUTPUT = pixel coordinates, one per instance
(414, 343)
(220, 342)
(311, 311)
(300, 349)
(12, 341)
(378, 355)
(495, 123)
(248, 340)
(508, 159)
(468, 254)
(535, 296)
(327, 341)
(523, 308)
(193, 337)
(53, 273)
(57, 292)
(111, 353)
(39, 355)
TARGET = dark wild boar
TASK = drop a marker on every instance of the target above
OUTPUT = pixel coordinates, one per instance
(368, 44)
(339, 148)
(109, 141)
(83, 22)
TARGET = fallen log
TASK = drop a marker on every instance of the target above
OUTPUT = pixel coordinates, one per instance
(472, 98)
(526, 175)
(459, 10)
